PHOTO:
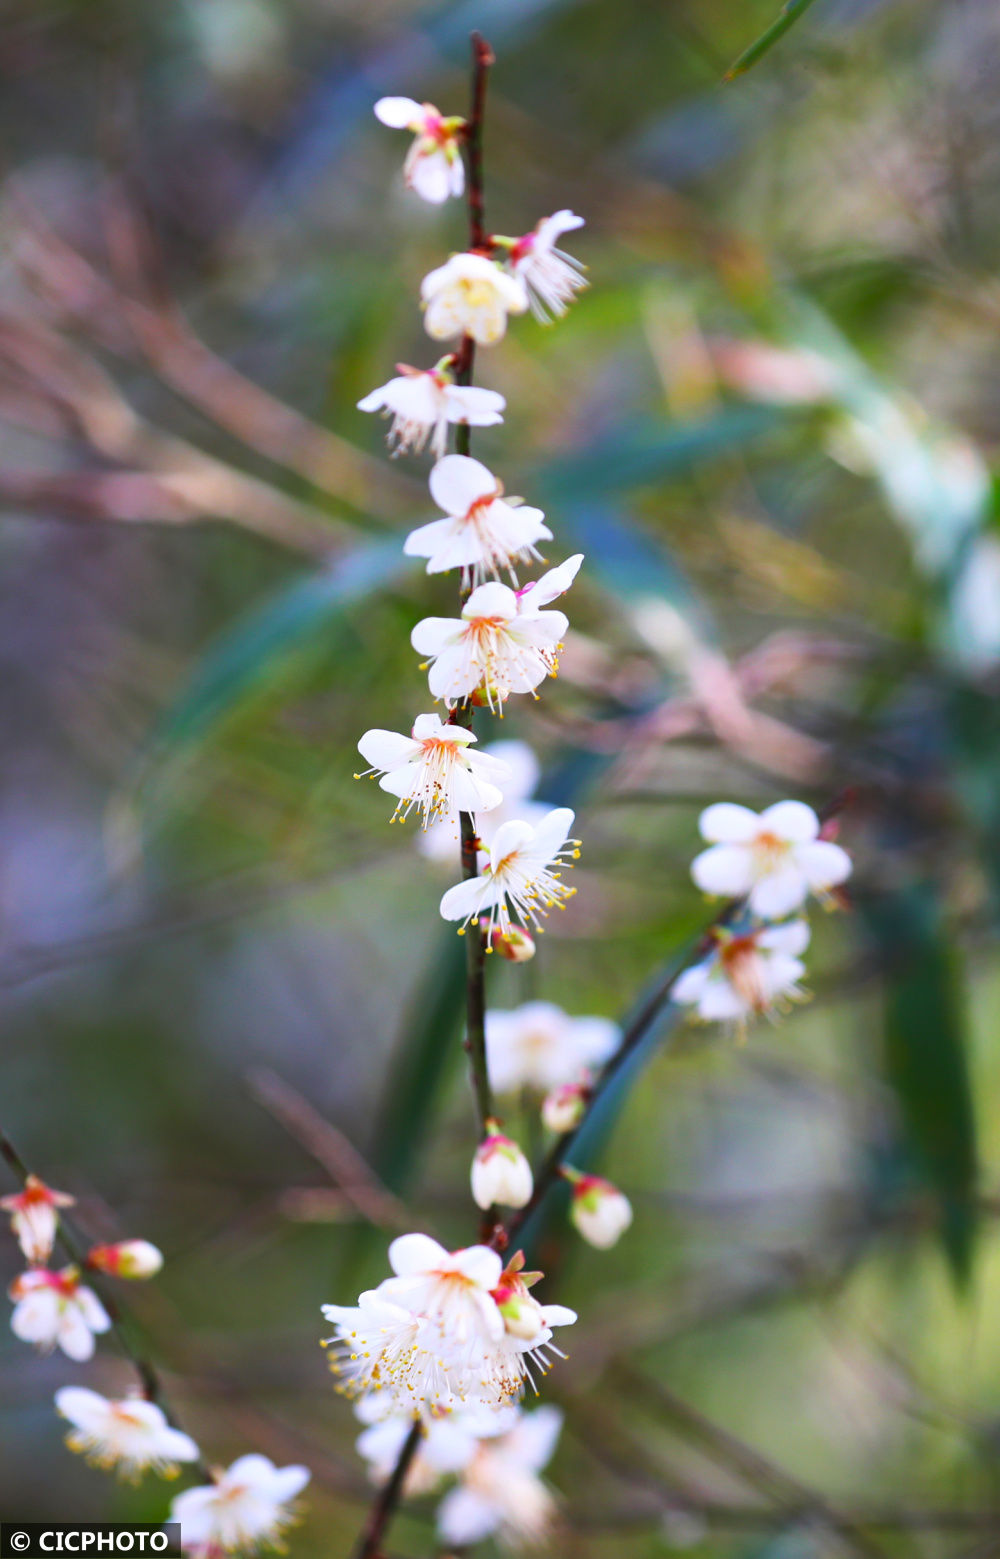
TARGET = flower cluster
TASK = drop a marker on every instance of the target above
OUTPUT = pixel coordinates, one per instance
(448, 1329)
(770, 863)
(492, 1458)
(243, 1507)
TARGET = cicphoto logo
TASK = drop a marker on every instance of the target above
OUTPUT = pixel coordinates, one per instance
(27, 1539)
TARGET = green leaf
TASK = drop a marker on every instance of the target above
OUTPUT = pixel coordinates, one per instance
(788, 16)
(925, 1059)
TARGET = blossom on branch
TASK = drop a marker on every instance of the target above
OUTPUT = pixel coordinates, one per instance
(552, 278)
(748, 973)
(482, 533)
(55, 1310)
(499, 1492)
(598, 1210)
(540, 1046)
(470, 295)
(422, 404)
(34, 1216)
(247, 1507)
(503, 643)
(440, 841)
(433, 770)
(775, 858)
(563, 1108)
(519, 876)
(131, 1436)
(500, 1172)
(126, 1259)
(433, 168)
(449, 1441)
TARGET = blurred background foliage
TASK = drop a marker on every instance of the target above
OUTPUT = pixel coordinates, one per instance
(771, 425)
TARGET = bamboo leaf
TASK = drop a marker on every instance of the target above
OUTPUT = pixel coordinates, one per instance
(787, 17)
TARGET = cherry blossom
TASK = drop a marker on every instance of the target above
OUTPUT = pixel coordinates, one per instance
(482, 533)
(500, 1492)
(440, 841)
(449, 1441)
(55, 1310)
(127, 1259)
(433, 168)
(749, 972)
(552, 278)
(34, 1217)
(247, 1507)
(131, 1436)
(504, 642)
(471, 296)
(599, 1211)
(519, 876)
(422, 403)
(775, 858)
(500, 1172)
(538, 1045)
(433, 770)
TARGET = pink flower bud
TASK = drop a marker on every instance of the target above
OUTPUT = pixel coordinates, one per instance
(514, 944)
(500, 1173)
(563, 1107)
(599, 1210)
(127, 1259)
(34, 1216)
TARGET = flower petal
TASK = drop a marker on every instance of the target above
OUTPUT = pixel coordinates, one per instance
(690, 984)
(791, 820)
(432, 635)
(465, 1517)
(479, 1264)
(399, 113)
(551, 833)
(825, 864)
(727, 823)
(410, 1254)
(791, 938)
(458, 481)
(386, 749)
(466, 899)
(779, 892)
(491, 600)
(723, 869)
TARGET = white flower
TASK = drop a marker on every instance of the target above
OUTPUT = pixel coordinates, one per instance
(440, 841)
(563, 1107)
(540, 1046)
(433, 168)
(34, 1216)
(433, 770)
(519, 876)
(127, 1259)
(481, 533)
(449, 1441)
(503, 643)
(247, 1507)
(500, 1491)
(55, 1310)
(598, 1209)
(747, 973)
(552, 277)
(423, 403)
(775, 858)
(500, 1172)
(471, 296)
(130, 1436)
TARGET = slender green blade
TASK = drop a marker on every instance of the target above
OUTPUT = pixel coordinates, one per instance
(786, 19)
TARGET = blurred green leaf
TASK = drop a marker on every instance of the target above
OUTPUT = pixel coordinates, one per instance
(788, 16)
(925, 1058)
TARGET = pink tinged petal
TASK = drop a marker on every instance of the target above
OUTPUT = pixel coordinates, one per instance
(727, 823)
(399, 113)
(791, 939)
(824, 864)
(724, 869)
(551, 228)
(456, 169)
(551, 585)
(491, 600)
(386, 749)
(458, 481)
(479, 1264)
(466, 899)
(779, 892)
(791, 820)
(373, 401)
(689, 986)
(465, 1517)
(412, 1254)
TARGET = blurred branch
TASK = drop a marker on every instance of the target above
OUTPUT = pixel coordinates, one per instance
(346, 1167)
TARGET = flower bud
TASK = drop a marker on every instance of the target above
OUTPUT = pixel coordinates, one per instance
(514, 944)
(563, 1107)
(522, 1315)
(599, 1210)
(34, 1216)
(127, 1259)
(500, 1172)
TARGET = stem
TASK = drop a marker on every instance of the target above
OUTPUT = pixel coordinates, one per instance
(150, 1382)
(384, 1507)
